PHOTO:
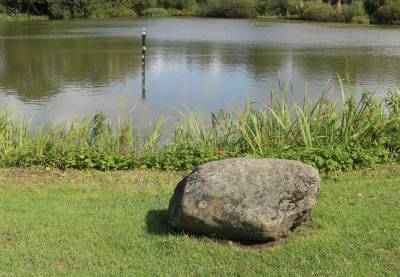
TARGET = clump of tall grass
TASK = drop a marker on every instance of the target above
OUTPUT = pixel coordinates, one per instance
(155, 12)
(4, 17)
(332, 135)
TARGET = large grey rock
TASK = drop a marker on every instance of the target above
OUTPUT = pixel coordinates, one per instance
(244, 199)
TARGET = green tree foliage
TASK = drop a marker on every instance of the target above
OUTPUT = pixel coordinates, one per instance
(386, 11)
(142, 5)
(61, 9)
(231, 8)
(371, 6)
(23, 6)
(178, 4)
(277, 7)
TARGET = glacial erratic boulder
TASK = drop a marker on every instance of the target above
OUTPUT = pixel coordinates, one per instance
(244, 199)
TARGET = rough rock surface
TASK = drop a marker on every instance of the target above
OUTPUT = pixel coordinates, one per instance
(244, 199)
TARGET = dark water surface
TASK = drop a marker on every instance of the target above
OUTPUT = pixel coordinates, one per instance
(64, 69)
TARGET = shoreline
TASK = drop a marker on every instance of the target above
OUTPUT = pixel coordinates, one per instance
(326, 134)
(4, 18)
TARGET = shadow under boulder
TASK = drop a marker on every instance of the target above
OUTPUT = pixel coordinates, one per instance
(157, 223)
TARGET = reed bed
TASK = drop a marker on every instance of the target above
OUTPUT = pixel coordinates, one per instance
(332, 135)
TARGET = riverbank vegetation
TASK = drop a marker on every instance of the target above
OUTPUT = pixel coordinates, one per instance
(84, 223)
(332, 135)
(4, 17)
(360, 11)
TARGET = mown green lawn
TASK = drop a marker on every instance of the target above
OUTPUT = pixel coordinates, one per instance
(95, 223)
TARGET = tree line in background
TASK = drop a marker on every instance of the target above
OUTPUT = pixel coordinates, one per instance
(382, 11)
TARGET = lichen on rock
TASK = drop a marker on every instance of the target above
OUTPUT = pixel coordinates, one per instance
(244, 199)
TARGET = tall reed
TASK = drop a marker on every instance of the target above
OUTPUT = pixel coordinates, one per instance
(328, 134)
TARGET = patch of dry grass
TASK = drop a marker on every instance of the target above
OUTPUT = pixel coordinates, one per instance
(135, 180)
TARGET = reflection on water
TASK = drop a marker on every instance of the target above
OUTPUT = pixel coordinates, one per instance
(65, 69)
(36, 69)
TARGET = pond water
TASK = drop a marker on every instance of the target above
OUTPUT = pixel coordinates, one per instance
(65, 69)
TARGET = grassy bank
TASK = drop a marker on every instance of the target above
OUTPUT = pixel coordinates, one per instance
(331, 135)
(94, 223)
(21, 17)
